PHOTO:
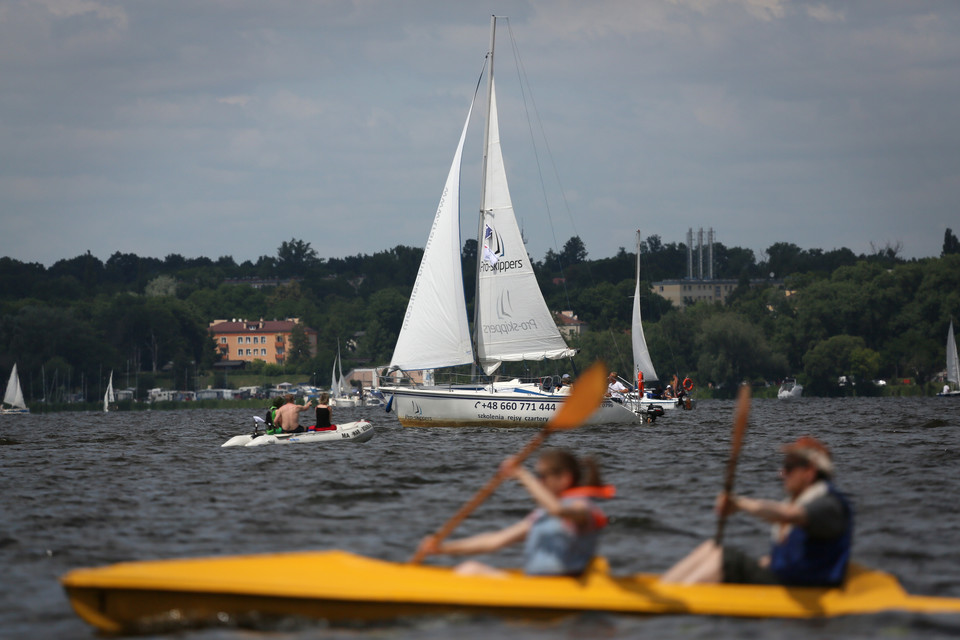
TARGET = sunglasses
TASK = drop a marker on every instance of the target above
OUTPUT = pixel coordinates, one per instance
(789, 465)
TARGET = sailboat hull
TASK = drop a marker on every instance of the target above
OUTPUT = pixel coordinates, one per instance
(519, 406)
(14, 412)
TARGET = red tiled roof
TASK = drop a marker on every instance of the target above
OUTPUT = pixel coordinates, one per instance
(256, 326)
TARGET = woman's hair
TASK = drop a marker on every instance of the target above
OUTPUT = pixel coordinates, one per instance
(584, 471)
(279, 401)
(324, 397)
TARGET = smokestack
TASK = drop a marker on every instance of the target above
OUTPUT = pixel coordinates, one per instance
(700, 254)
(710, 239)
(690, 253)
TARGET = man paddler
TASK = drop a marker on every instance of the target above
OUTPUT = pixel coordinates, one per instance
(812, 530)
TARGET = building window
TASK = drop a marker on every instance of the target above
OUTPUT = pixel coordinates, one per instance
(240, 340)
(248, 351)
(223, 340)
(248, 339)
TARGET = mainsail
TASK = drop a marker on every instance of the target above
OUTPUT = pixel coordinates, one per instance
(953, 366)
(334, 382)
(435, 330)
(108, 397)
(512, 319)
(14, 394)
(641, 355)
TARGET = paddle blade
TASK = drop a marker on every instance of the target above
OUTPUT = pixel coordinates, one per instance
(585, 396)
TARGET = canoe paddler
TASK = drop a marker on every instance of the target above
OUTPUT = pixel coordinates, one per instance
(812, 530)
(561, 535)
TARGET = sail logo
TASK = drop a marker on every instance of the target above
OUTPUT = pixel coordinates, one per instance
(492, 245)
(493, 253)
(505, 328)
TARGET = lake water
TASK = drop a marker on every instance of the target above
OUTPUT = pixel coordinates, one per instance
(81, 490)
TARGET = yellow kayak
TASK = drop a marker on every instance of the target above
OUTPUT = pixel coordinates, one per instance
(337, 586)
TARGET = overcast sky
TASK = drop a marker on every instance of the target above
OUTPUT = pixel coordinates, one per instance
(224, 127)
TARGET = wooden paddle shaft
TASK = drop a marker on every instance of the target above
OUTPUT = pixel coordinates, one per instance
(480, 496)
(739, 428)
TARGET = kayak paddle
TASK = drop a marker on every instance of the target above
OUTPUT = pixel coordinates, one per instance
(585, 396)
(739, 428)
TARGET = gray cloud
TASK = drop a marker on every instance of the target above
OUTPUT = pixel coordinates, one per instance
(223, 128)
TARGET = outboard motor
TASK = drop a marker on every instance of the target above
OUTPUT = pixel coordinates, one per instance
(653, 412)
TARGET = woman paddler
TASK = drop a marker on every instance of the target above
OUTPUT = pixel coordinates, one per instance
(561, 534)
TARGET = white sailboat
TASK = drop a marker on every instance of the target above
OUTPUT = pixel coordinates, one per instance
(953, 366)
(642, 362)
(338, 393)
(790, 389)
(512, 322)
(108, 397)
(13, 395)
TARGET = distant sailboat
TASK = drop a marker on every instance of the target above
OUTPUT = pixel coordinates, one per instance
(108, 397)
(953, 366)
(338, 395)
(14, 395)
(642, 362)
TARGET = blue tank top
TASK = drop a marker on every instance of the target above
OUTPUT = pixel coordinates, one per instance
(803, 560)
(557, 547)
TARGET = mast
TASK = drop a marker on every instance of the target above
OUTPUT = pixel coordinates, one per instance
(483, 192)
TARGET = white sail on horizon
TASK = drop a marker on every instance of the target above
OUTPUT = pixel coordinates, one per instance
(14, 394)
(641, 354)
(108, 397)
(953, 365)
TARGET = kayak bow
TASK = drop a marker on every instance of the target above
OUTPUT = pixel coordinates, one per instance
(339, 586)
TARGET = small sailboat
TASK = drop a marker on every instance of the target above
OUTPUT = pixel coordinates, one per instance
(338, 394)
(512, 322)
(13, 396)
(643, 364)
(109, 396)
(953, 367)
(790, 389)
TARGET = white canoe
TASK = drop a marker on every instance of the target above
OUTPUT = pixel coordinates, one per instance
(358, 431)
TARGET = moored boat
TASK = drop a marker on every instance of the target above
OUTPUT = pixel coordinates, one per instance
(341, 586)
(357, 431)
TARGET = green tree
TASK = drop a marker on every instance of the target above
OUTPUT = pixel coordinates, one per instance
(950, 243)
(298, 352)
(841, 355)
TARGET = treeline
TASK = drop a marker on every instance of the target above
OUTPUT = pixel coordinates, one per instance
(821, 315)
